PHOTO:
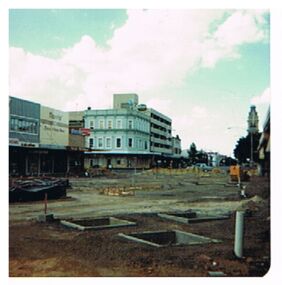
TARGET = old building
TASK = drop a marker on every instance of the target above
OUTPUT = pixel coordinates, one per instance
(264, 148)
(76, 144)
(129, 136)
(160, 133)
(46, 141)
(24, 135)
(39, 140)
(176, 146)
(119, 138)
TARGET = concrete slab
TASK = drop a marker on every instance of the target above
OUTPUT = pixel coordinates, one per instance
(217, 274)
(186, 219)
(168, 238)
(96, 223)
(45, 218)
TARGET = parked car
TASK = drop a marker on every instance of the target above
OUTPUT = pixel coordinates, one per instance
(203, 166)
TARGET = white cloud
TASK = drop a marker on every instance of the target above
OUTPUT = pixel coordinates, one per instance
(42, 79)
(263, 98)
(162, 105)
(199, 112)
(153, 50)
(240, 27)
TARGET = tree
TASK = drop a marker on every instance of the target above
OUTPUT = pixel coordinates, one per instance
(192, 153)
(242, 150)
(202, 157)
(197, 156)
(227, 161)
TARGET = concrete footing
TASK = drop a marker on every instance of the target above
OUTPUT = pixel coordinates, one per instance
(216, 274)
(168, 238)
(45, 218)
(96, 223)
(186, 219)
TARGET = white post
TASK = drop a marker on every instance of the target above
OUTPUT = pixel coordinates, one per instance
(239, 234)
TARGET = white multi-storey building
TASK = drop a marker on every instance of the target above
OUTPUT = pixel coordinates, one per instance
(127, 136)
(160, 133)
(118, 138)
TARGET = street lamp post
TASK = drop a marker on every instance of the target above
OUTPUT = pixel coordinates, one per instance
(252, 151)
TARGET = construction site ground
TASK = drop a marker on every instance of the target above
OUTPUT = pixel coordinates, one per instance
(51, 249)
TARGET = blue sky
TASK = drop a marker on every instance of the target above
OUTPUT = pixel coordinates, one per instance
(203, 68)
(40, 31)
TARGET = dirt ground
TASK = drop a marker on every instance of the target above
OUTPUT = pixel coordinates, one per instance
(50, 249)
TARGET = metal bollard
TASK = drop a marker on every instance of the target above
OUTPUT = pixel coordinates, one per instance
(239, 234)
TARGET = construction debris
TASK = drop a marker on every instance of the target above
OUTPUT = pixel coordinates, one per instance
(34, 189)
(36, 249)
(119, 191)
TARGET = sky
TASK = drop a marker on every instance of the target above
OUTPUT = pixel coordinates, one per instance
(202, 68)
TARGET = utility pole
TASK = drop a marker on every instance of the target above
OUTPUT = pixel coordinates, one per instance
(252, 150)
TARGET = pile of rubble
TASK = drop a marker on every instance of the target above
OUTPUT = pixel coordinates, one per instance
(34, 189)
(119, 191)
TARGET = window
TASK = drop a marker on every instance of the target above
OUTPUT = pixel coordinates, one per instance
(101, 124)
(34, 127)
(130, 142)
(12, 124)
(91, 124)
(20, 124)
(108, 142)
(118, 162)
(118, 143)
(110, 124)
(119, 126)
(130, 124)
(100, 142)
(90, 143)
(146, 145)
(23, 125)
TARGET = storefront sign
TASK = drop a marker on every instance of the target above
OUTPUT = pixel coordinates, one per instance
(75, 132)
(85, 132)
(29, 144)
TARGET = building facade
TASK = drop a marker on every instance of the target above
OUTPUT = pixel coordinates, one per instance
(76, 130)
(46, 141)
(264, 148)
(119, 138)
(39, 140)
(76, 144)
(215, 158)
(54, 128)
(24, 136)
(160, 133)
(176, 146)
(125, 101)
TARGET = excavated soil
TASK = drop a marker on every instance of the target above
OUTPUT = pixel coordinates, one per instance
(50, 249)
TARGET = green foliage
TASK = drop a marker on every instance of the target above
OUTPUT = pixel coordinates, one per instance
(197, 156)
(242, 150)
(192, 153)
